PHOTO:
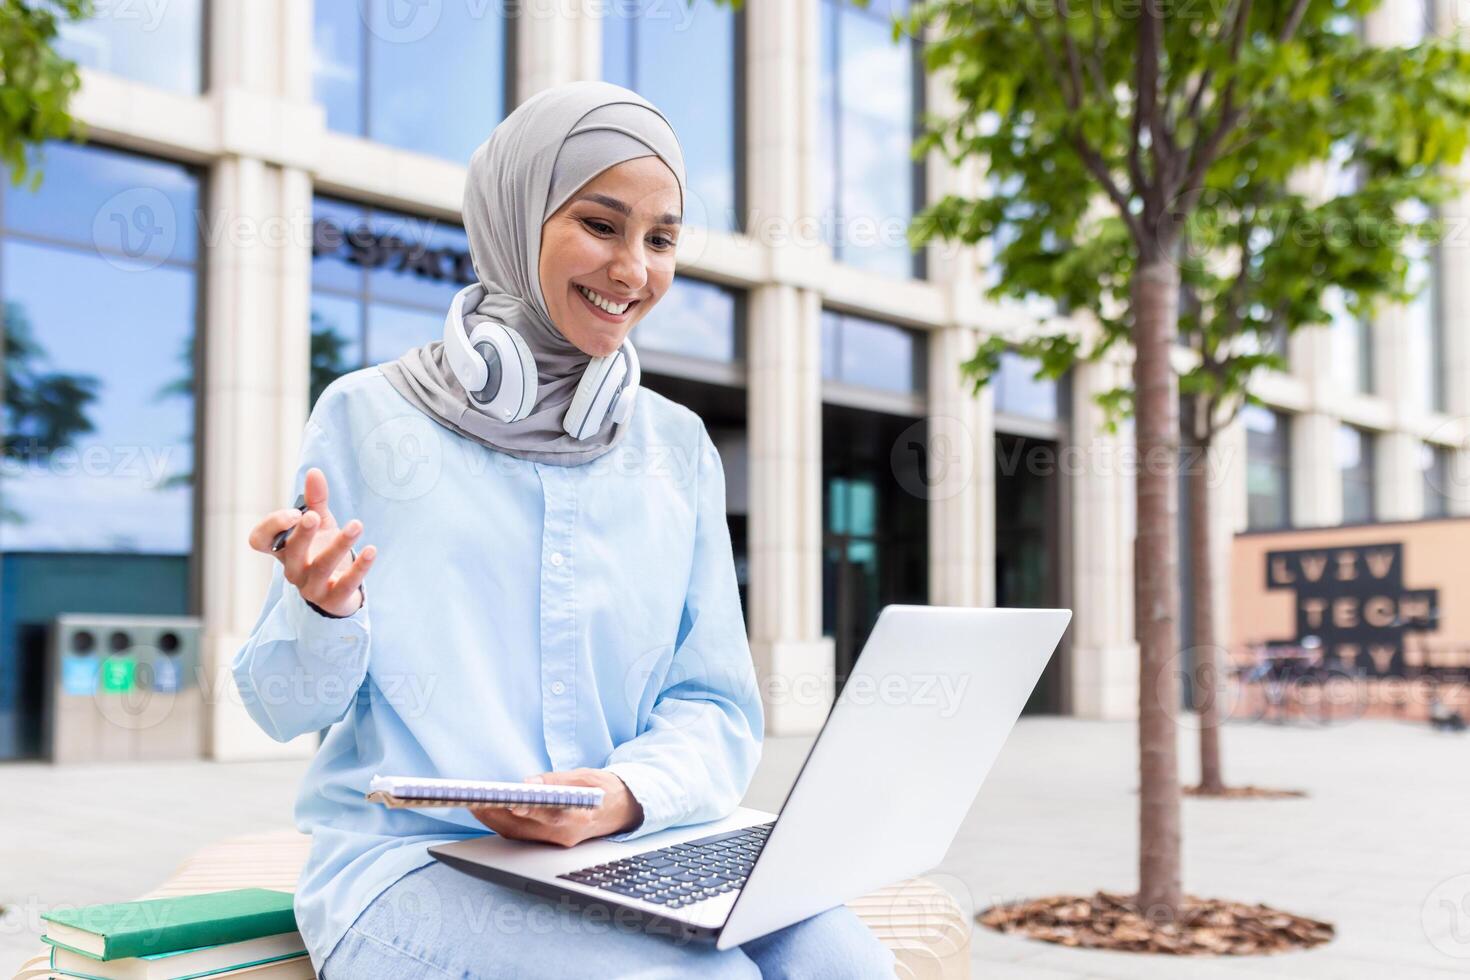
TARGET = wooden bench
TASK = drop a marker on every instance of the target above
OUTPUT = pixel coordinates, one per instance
(917, 919)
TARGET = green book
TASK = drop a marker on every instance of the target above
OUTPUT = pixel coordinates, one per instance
(163, 925)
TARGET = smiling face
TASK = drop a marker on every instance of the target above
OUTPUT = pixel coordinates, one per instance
(614, 237)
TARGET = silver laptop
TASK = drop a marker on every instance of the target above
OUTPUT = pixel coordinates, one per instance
(895, 768)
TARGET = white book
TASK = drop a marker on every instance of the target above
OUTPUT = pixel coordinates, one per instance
(275, 957)
(417, 791)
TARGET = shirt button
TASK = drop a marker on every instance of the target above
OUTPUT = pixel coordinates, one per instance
(557, 559)
(557, 687)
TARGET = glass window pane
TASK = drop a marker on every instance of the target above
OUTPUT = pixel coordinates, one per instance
(161, 44)
(99, 409)
(696, 319)
(392, 329)
(336, 69)
(618, 58)
(875, 199)
(1435, 463)
(1352, 344)
(1355, 462)
(405, 258)
(417, 260)
(655, 49)
(878, 355)
(867, 98)
(1019, 392)
(140, 210)
(1268, 502)
(1422, 342)
(438, 75)
(831, 346)
(336, 339)
(333, 247)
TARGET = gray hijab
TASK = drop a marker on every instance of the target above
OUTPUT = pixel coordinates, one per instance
(532, 163)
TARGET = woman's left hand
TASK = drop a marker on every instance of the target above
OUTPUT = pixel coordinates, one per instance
(567, 826)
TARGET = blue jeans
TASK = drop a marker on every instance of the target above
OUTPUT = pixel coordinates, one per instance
(436, 922)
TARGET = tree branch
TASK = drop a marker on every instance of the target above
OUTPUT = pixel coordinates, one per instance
(1074, 59)
(1293, 21)
(1069, 98)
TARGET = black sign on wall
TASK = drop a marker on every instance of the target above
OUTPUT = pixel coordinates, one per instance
(1354, 600)
(362, 246)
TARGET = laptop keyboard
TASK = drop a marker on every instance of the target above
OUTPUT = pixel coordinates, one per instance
(682, 874)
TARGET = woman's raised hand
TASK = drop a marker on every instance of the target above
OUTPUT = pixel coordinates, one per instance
(316, 556)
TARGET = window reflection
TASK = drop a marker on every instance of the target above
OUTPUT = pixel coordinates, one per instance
(657, 50)
(1423, 341)
(871, 354)
(694, 319)
(1019, 392)
(1355, 461)
(1436, 465)
(1268, 472)
(161, 44)
(381, 283)
(98, 409)
(424, 77)
(1352, 344)
(138, 211)
(871, 98)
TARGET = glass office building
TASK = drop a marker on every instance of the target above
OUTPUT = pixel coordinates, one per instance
(268, 197)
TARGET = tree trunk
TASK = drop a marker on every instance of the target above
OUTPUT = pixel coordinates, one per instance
(1205, 640)
(1155, 303)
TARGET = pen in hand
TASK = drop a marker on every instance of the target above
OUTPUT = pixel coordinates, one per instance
(279, 541)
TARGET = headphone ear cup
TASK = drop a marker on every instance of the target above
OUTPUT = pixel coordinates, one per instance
(509, 393)
(589, 407)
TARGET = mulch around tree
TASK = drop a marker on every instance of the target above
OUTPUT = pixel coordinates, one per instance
(1246, 793)
(1205, 927)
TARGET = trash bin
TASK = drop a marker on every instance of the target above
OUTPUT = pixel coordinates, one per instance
(124, 688)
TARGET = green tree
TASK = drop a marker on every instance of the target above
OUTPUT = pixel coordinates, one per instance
(328, 356)
(1148, 153)
(36, 83)
(44, 410)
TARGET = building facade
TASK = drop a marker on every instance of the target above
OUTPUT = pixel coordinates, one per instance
(268, 196)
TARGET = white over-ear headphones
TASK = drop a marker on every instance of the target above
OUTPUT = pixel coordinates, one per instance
(498, 370)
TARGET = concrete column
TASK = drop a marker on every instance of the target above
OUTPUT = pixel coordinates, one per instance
(1454, 286)
(1398, 482)
(556, 41)
(1316, 482)
(961, 438)
(257, 344)
(1231, 512)
(794, 661)
(960, 483)
(1104, 663)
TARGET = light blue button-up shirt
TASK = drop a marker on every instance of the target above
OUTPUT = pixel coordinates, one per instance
(525, 617)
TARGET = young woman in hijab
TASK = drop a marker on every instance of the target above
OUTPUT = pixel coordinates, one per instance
(555, 595)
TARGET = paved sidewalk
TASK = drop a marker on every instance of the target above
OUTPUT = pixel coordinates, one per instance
(1386, 822)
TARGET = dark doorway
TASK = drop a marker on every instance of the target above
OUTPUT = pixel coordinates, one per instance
(722, 408)
(875, 541)
(1027, 542)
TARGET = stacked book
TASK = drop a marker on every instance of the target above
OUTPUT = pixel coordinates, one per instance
(247, 932)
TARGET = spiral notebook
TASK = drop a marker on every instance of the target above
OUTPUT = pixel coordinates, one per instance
(420, 791)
